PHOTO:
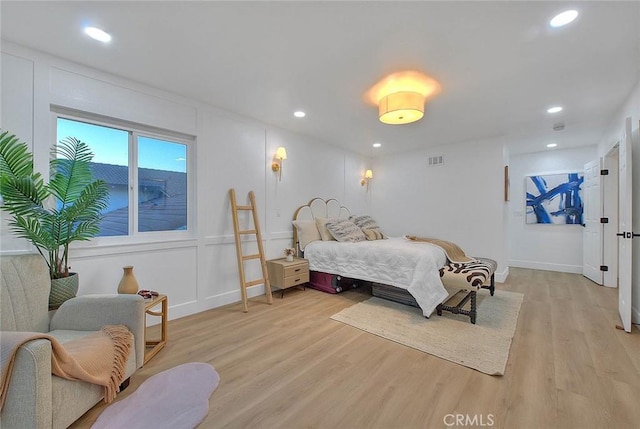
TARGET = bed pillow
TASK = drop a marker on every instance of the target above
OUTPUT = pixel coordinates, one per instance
(373, 234)
(343, 229)
(366, 222)
(307, 232)
(321, 223)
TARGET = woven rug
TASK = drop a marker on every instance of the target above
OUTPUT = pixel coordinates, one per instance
(177, 398)
(483, 346)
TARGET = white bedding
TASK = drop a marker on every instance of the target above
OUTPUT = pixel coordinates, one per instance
(397, 262)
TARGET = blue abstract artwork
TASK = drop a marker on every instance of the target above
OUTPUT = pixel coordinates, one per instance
(554, 198)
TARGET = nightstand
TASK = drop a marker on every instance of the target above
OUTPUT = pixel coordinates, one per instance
(283, 274)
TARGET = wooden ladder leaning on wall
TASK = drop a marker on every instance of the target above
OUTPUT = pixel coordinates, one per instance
(235, 208)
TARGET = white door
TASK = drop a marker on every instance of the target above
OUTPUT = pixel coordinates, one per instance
(592, 231)
(624, 230)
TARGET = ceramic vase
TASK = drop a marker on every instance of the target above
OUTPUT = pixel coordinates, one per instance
(289, 258)
(128, 283)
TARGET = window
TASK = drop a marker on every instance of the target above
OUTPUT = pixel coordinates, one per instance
(146, 172)
(162, 185)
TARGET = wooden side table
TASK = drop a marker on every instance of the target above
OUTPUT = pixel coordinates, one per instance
(154, 346)
(284, 274)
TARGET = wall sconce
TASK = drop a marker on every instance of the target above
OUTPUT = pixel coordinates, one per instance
(368, 175)
(281, 155)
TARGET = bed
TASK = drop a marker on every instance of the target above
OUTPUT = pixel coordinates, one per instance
(396, 263)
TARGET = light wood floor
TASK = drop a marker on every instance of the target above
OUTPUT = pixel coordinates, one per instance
(289, 366)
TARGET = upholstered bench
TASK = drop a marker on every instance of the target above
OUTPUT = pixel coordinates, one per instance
(469, 277)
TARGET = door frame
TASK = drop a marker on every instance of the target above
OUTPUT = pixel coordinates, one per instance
(593, 231)
(610, 197)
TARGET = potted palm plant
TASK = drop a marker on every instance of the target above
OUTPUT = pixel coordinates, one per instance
(52, 216)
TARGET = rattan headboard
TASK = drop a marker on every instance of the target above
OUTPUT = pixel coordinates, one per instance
(318, 207)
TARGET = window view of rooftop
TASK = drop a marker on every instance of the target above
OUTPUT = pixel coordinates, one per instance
(160, 179)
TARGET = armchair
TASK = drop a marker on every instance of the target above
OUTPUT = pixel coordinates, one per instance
(35, 397)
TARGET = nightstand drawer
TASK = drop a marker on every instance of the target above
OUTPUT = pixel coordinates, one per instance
(296, 279)
(296, 269)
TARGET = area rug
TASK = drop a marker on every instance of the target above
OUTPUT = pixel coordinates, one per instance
(483, 346)
(177, 398)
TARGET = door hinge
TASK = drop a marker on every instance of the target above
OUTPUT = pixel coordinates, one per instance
(604, 268)
(604, 172)
(604, 220)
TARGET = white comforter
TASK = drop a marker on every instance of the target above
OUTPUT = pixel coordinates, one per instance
(397, 262)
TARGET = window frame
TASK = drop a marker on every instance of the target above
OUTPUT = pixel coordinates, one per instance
(134, 131)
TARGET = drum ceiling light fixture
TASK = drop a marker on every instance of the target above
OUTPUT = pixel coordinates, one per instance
(401, 96)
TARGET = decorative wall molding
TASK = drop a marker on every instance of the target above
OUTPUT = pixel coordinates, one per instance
(212, 240)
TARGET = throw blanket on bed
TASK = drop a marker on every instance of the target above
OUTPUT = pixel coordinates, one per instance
(454, 253)
(98, 358)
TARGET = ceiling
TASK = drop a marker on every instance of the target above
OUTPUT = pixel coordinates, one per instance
(499, 63)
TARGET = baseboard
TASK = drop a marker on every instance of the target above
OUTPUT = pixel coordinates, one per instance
(545, 266)
(192, 307)
(502, 276)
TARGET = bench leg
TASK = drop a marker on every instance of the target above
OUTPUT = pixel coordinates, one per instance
(472, 313)
(492, 285)
(459, 308)
(492, 288)
(124, 384)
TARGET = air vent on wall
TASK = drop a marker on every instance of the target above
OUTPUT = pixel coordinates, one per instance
(436, 160)
(559, 126)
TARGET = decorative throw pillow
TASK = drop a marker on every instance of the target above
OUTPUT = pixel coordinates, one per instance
(364, 221)
(343, 229)
(321, 223)
(373, 234)
(307, 232)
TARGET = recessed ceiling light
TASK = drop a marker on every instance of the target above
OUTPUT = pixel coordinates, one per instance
(98, 34)
(552, 145)
(554, 109)
(377, 144)
(563, 18)
(299, 114)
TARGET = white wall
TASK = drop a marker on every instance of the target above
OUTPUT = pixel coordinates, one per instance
(631, 108)
(544, 247)
(460, 201)
(200, 272)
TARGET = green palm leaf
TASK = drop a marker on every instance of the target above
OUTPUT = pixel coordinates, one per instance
(91, 202)
(21, 195)
(20, 187)
(31, 229)
(70, 170)
(15, 158)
